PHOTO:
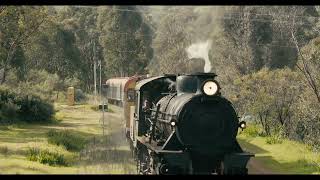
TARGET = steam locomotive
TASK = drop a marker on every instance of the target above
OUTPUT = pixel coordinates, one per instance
(181, 125)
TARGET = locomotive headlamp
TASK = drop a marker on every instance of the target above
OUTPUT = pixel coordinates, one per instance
(173, 123)
(210, 88)
(242, 125)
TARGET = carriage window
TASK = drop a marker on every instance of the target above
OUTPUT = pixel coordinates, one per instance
(131, 95)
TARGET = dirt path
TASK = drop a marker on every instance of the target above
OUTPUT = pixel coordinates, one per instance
(109, 154)
(255, 167)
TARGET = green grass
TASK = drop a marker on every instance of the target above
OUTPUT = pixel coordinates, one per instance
(111, 156)
(15, 140)
(287, 157)
(72, 141)
(46, 157)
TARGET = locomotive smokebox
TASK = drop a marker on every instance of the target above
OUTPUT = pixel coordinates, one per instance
(204, 121)
(193, 83)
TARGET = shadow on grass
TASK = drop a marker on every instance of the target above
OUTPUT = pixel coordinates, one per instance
(296, 167)
(20, 167)
(269, 164)
(34, 133)
(251, 147)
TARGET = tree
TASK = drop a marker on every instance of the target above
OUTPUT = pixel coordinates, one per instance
(83, 22)
(126, 39)
(171, 42)
(271, 96)
(18, 25)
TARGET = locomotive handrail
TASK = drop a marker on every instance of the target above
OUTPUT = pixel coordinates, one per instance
(154, 110)
(154, 123)
(164, 120)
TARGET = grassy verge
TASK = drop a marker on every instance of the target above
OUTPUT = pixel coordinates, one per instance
(17, 140)
(285, 157)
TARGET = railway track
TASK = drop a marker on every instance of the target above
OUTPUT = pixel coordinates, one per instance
(109, 153)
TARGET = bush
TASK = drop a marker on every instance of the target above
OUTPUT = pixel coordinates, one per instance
(273, 139)
(32, 154)
(65, 138)
(33, 109)
(46, 157)
(40, 83)
(80, 96)
(26, 108)
(252, 131)
(4, 150)
(8, 112)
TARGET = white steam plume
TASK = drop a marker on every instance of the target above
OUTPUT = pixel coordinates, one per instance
(201, 50)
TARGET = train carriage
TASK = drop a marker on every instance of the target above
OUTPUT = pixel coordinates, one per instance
(115, 90)
(121, 92)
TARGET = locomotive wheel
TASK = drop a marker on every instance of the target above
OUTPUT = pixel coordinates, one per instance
(143, 165)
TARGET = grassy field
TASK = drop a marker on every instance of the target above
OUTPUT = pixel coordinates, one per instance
(288, 157)
(81, 120)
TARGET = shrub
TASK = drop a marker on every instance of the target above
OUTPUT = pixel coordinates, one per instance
(32, 154)
(251, 130)
(51, 158)
(46, 157)
(40, 83)
(273, 139)
(34, 109)
(28, 108)
(80, 96)
(8, 112)
(65, 138)
(4, 150)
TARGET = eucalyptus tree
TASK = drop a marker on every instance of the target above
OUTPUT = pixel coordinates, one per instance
(126, 40)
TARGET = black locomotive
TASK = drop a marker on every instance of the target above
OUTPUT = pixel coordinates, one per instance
(183, 125)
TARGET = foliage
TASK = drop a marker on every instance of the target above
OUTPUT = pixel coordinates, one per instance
(274, 139)
(26, 108)
(80, 95)
(251, 130)
(270, 96)
(46, 157)
(283, 103)
(18, 26)
(126, 39)
(4, 150)
(70, 141)
(171, 42)
(49, 87)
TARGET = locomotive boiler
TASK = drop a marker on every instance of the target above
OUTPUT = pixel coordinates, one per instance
(183, 125)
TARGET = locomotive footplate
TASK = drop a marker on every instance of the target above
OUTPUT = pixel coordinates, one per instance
(154, 147)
